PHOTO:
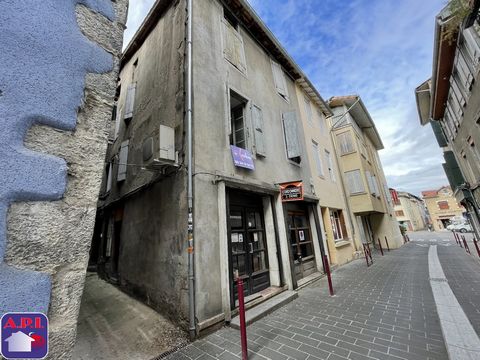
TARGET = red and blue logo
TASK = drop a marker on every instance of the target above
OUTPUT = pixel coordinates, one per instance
(24, 336)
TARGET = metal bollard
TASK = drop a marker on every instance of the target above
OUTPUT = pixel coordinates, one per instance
(329, 275)
(459, 241)
(476, 245)
(386, 242)
(467, 249)
(241, 311)
(380, 246)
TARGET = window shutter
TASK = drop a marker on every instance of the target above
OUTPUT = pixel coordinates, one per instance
(354, 181)
(308, 110)
(233, 47)
(318, 161)
(472, 46)
(117, 122)
(130, 101)
(321, 123)
(279, 79)
(369, 180)
(109, 177)
(122, 161)
(291, 135)
(345, 142)
(258, 130)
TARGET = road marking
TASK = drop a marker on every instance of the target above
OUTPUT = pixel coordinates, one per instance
(461, 340)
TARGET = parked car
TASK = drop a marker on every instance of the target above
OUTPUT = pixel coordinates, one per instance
(460, 227)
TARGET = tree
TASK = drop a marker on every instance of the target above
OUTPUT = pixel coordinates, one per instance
(459, 10)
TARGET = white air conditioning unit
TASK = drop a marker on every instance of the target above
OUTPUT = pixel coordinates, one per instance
(161, 153)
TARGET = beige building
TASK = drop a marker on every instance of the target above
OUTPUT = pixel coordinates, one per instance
(442, 206)
(409, 210)
(357, 144)
(326, 181)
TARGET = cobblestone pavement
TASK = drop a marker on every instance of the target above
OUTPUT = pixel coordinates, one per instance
(383, 312)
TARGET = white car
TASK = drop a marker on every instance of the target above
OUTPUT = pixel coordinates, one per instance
(460, 227)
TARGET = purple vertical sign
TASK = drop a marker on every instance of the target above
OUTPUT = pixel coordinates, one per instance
(242, 158)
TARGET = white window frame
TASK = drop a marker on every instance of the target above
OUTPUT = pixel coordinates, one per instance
(318, 160)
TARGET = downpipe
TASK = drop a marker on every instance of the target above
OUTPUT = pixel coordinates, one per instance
(189, 110)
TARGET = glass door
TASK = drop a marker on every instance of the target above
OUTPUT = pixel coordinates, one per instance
(248, 249)
(301, 244)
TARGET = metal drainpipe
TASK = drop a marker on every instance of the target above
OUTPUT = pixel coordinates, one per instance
(189, 110)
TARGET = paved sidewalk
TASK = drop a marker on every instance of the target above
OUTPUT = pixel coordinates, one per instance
(382, 312)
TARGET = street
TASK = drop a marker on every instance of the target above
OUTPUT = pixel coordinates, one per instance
(385, 311)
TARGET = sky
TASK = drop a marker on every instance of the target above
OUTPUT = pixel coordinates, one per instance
(378, 49)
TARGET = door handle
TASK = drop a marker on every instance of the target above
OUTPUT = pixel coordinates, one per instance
(251, 248)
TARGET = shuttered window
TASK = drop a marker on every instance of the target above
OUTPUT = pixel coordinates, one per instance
(345, 143)
(331, 170)
(308, 110)
(372, 183)
(279, 79)
(233, 50)
(472, 46)
(292, 139)
(464, 73)
(130, 101)
(258, 125)
(122, 161)
(318, 161)
(443, 205)
(354, 182)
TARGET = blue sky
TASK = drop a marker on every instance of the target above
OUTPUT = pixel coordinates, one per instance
(379, 49)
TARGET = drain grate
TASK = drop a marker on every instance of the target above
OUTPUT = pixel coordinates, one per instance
(171, 351)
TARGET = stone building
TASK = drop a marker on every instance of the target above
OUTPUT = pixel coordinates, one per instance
(442, 206)
(357, 143)
(56, 99)
(450, 102)
(409, 210)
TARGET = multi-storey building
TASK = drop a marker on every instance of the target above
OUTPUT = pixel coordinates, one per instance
(442, 206)
(253, 211)
(409, 210)
(326, 182)
(450, 102)
(357, 143)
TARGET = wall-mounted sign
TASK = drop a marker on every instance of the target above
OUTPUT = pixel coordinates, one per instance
(242, 158)
(292, 191)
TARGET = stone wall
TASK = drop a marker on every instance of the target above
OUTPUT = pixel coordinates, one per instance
(58, 72)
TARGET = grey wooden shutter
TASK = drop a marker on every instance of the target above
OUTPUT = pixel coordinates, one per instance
(122, 161)
(258, 127)
(233, 48)
(130, 101)
(279, 79)
(109, 177)
(291, 135)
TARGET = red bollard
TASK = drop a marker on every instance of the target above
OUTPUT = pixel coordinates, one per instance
(386, 242)
(467, 249)
(459, 240)
(476, 245)
(455, 236)
(369, 253)
(366, 254)
(329, 275)
(380, 246)
(241, 311)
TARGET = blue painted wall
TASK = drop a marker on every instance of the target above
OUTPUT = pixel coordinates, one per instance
(43, 62)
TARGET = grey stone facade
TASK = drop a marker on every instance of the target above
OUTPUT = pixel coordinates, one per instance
(67, 119)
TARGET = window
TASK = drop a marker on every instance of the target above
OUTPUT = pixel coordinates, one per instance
(308, 110)
(338, 225)
(399, 213)
(331, 170)
(354, 182)
(345, 143)
(279, 80)
(117, 114)
(130, 102)
(122, 161)
(443, 205)
(292, 141)
(233, 50)
(258, 126)
(237, 121)
(318, 161)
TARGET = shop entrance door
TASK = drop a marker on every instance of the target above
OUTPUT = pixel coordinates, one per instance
(301, 244)
(248, 249)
